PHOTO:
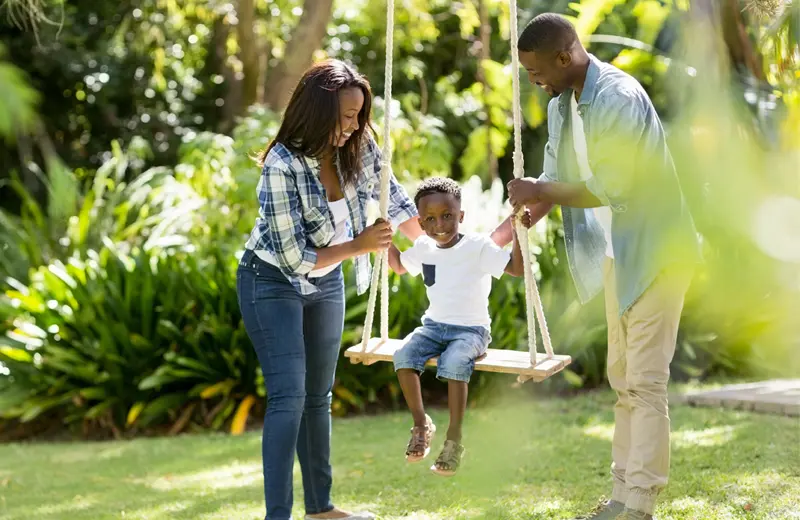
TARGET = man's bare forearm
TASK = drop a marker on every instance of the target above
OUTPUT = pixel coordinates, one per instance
(570, 194)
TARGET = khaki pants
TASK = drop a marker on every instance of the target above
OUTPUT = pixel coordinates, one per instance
(641, 345)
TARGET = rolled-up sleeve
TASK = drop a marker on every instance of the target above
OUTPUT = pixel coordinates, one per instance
(281, 206)
(401, 207)
(618, 130)
(554, 121)
(549, 165)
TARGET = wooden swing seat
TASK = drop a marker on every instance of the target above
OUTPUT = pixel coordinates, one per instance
(496, 360)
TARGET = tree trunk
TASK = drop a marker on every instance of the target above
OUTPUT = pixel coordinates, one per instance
(306, 38)
(248, 53)
(231, 93)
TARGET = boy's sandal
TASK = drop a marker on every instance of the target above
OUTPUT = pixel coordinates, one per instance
(449, 459)
(420, 443)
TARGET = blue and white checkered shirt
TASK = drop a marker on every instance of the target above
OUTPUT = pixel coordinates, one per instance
(294, 218)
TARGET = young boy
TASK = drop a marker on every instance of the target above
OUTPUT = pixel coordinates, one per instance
(457, 270)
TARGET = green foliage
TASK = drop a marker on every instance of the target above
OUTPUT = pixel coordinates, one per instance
(121, 313)
(129, 338)
(17, 101)
(152, 211)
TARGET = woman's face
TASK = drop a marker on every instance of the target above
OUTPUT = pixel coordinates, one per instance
(351, 100)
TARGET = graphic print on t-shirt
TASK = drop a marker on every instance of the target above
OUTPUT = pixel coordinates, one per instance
(429, 274)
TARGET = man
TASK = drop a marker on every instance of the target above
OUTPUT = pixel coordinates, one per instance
(626, 227)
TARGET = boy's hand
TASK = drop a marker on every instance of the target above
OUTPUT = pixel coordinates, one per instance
(526, 218)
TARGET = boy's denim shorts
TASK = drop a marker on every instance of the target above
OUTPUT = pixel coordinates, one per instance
(457, 346)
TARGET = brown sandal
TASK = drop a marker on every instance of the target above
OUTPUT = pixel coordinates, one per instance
(420, 443)
(449, 460)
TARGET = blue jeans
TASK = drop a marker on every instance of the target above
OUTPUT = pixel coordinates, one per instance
(297, 340)
(457, 347)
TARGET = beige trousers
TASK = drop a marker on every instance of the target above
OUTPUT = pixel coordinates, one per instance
(641, 345)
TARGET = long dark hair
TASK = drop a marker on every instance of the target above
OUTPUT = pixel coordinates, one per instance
(312, 116)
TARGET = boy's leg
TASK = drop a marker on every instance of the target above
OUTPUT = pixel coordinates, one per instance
(457, 402)
(456, 364)
(412, 392)
(409, 363)
(464, 346)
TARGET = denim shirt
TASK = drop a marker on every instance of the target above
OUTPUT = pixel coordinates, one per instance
(633, 173)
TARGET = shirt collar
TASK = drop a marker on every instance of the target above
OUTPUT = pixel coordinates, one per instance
(589, 86)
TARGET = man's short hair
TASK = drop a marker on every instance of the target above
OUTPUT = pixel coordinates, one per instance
(549, 33)
(437, 185)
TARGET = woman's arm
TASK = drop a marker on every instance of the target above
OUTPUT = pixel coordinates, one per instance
(280, 202)
(411, 229)
(402, 211)
(373, 238)
(334, 254)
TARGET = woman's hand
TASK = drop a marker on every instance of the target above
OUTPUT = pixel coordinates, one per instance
(374, 238)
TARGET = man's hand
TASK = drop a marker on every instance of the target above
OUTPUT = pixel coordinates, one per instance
(523, 192)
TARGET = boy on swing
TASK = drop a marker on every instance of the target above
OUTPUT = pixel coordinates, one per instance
(457, 270)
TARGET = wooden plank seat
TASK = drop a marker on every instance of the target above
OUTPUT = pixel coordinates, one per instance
(496, 360)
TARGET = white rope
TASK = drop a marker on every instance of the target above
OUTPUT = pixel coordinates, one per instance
(533, 300)
(381, 267)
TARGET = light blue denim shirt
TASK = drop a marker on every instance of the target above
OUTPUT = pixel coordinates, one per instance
(633, 173)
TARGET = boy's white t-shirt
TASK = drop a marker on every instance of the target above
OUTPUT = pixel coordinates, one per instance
(458, 279)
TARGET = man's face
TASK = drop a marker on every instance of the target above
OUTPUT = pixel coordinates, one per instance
(547, 70)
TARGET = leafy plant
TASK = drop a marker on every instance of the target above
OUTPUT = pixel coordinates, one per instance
(152, 211)
(124, 342)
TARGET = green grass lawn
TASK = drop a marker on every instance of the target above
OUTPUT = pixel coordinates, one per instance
(525, 459)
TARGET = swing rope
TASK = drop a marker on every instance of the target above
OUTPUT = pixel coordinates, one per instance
(381, 269)
(532, 298)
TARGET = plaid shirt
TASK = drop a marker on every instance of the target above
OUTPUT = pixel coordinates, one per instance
(294, 218)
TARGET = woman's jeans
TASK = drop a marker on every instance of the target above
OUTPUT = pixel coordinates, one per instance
(297, 340)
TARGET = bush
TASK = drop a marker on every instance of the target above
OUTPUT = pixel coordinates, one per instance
(124, 342)
(120, 315)
(153, 211)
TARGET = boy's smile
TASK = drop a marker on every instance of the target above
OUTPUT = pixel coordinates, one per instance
(439, 216)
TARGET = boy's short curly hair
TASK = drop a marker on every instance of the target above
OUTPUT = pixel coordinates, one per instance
(437, 185)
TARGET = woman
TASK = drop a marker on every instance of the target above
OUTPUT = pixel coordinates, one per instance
(317, 177)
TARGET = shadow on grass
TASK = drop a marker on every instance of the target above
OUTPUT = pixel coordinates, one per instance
(525, 459)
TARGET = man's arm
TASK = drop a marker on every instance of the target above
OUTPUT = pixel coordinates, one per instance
(572, 194)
